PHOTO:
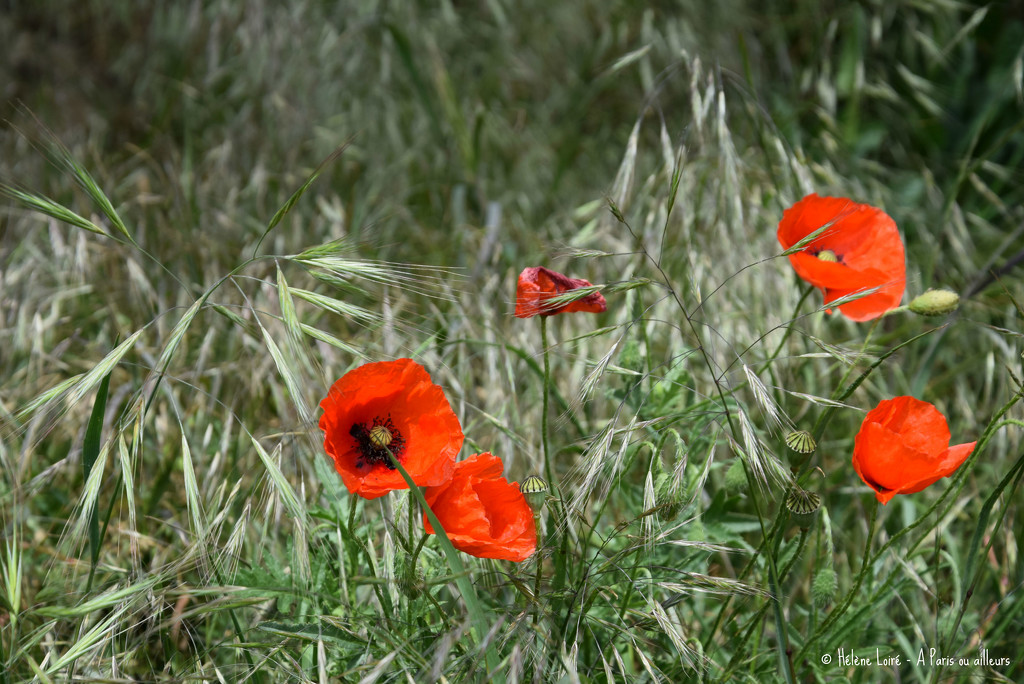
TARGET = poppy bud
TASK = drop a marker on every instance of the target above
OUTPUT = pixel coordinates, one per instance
(935, 303)
(735, 478)
(535, 490)
(823, 589)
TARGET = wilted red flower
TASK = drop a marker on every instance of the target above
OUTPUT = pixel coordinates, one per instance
(482, 513)
(538, 284)
(390, 405)
(903, 446)
(861, 249)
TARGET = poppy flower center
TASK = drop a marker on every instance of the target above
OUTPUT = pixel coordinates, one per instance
(827, 255)
(377, 442)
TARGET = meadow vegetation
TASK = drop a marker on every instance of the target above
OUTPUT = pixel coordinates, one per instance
(213, 210)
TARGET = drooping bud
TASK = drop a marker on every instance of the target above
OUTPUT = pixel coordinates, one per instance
(535, 490)
(823, 589)
(935, 303)
(735, 477)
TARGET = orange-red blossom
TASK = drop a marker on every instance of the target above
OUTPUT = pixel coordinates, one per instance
(860, 249)
(903, 446)
(482, 513)
(389, 406)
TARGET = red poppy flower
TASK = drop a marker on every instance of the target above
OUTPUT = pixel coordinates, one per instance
(389, 406)
(538, 284)
(903, 446)
(482, 513)
(861, 249)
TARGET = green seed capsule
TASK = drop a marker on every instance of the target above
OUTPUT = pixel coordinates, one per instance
(801, 442)
(828, 255)
(535, 490)
(803, 505)
(380, 436)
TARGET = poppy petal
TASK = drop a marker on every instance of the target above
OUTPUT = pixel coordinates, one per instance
(827, 274)
(950, 460)
(483, 514)
(537, 285)
(902, 447)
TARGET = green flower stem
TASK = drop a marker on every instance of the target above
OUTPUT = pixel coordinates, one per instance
(785, 664)
(863, 350)
(544, 415)
(826, 415)
(461, 577)
(970, 571)
(852, 594)
(740, 643)
(540, 566)
(789, 328)
(410, 510)
(950, 495)
(549, 471)
(767, 363)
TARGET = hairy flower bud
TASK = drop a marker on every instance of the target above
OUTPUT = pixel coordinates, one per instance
(735, 477)
(824, 587)
(935, 303)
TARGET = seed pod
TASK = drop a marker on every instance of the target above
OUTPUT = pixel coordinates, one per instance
(535, 490)
(803, 505)
(801, 442)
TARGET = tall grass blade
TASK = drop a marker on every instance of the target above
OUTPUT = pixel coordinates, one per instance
(192, 490)
(288, 205)
(281, 484)
(90, 451)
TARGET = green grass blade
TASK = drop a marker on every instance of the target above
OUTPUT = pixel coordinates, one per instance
(128, 477)
(192, 490)
(92, 188)
(330, 339)
(77, 387)
(281, 484)
(299, 193)
(90, 451)
(90, 497)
